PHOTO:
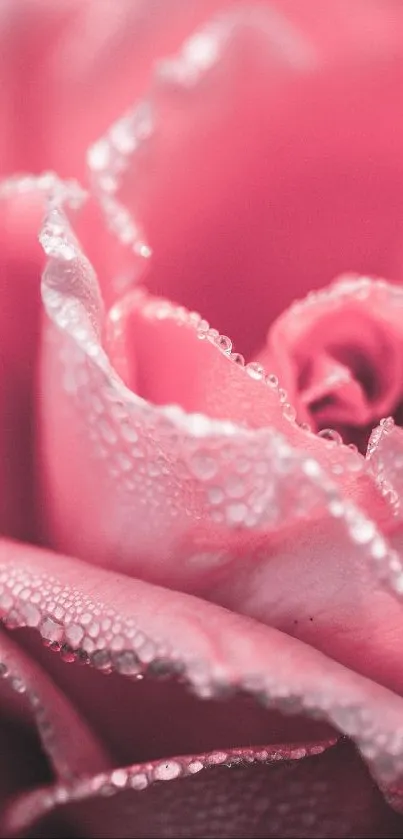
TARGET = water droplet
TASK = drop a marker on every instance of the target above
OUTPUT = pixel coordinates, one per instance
(98, 156)
(236, 513)
(362, 530)
(195, 766)
(138, 781)
(255, 370)
(119, 778)
(107, 431)
(331, 435)
(289, 412)
(94, 629)
(127, 663)
(203, 466)
(128, 432)
(215, 495)
(378, 548)
(31, 614)
(237, 358)
(51, 630)
(18, 685)
(101, 660)
(272, 380)
(213, 334)
(224, 343)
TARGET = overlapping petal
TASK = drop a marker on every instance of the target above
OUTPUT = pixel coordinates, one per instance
(227, 500)
(266, 793)
(132, 627)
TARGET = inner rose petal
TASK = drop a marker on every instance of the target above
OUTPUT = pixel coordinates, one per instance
(206, 796)
(340, 354)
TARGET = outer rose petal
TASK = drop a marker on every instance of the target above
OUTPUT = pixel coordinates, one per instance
(28, 694)
(213, 648)
(21, 261)
(283, 798)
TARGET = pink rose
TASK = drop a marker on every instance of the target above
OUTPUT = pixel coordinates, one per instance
(218, 534)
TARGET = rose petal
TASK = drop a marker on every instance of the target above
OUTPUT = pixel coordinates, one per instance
(213, 647)
(21, 261)
(101, 62)
(206, 484)
(339, 354)
(30, 695)
(300, 119)
(272, 798)
(227, 721)
(28, 32)
(225, 500)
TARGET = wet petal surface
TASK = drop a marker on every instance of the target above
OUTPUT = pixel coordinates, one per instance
(272, 796)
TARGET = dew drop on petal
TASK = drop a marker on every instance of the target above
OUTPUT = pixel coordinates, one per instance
(331, 435)
(272, 380)
(51, 629)
(255, 370)
(203, 466)
(167, 771)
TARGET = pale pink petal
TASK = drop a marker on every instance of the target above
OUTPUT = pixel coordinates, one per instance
(214, 649)
(228, 503)
(167, 355)
(228, 720)
(254, 793)
(88, 413)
